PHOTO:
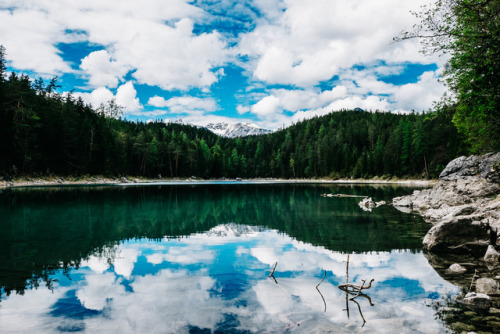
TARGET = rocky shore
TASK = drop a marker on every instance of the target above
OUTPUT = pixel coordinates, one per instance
(463, 206)
(463, 244)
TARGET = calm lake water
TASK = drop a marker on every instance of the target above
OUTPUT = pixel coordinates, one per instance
(196, 259)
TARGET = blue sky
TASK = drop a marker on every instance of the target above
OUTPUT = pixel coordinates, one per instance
(269, 62)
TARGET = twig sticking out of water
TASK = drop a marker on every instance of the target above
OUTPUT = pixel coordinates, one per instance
(324, 275)
(347, 271)
(272, 273)
(324, 302)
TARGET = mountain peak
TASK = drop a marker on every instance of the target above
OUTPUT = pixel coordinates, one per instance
(236, 130)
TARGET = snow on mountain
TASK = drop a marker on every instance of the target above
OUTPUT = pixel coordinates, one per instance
(236, 130)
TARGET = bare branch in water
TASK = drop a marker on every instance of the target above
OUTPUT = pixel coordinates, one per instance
(324, 302)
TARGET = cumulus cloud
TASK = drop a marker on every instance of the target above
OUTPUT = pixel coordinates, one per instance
(420, 95)
(102, 70)
(184, 104)
(311, 42)
(98, 96)
(269, 105)
(30, 37)
(155, 40)
(126, 97)
(181, 45)
(357, 89)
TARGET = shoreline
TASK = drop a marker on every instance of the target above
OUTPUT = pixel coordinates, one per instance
(101, 180)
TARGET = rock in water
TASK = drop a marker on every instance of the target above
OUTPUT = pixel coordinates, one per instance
(463, 234)
(367, 204)
(456, 269)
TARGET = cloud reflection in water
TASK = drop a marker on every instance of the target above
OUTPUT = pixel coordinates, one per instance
(218, 280)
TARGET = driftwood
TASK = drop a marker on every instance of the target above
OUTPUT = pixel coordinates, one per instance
(354, 290)
(343, 195)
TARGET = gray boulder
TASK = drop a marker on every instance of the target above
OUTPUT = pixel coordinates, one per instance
(478, 301)
(456, 269)
(487, 286)
(486, 166)
(491, 255)
(464, 233)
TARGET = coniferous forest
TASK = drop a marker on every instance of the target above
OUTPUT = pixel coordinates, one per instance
(47, 133)
(44, 132)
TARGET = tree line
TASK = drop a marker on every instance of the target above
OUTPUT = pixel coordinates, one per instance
(44, 132)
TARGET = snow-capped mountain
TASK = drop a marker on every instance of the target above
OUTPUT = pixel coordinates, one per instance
(236, 130)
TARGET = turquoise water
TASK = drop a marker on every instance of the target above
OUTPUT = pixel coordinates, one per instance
(197, 258)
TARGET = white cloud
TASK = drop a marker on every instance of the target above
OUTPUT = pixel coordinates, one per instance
(154, 39)
(97, 97)
(268, 106)
(242, 109)
(98, 289)
(313, 41)
(420, 95)
(185, 104)
(126, 96)
(29, 37)
(102, 70)
(295, 43)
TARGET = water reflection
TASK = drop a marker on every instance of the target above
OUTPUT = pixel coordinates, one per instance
(197, 259)
(218, 281)
(44, 230)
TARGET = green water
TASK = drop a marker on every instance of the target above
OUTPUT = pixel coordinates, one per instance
(209, 248)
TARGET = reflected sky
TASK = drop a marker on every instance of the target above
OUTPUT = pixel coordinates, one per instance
(217, 281)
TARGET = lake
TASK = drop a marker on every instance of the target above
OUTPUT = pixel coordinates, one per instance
(196, 258)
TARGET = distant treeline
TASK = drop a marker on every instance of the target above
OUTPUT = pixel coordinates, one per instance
(43, 132)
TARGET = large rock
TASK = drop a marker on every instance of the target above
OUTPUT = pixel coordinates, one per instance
(479, 301)
(487, 286)
(491, 256)
(486, 167)
(465, 234)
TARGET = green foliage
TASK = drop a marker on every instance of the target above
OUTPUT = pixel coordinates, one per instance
(469, 31)
(43, 132)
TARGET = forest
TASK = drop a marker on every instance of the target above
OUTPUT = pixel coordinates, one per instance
(44, 132)
(47, 133)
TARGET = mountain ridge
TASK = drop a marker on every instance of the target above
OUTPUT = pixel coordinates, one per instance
(236, 130)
